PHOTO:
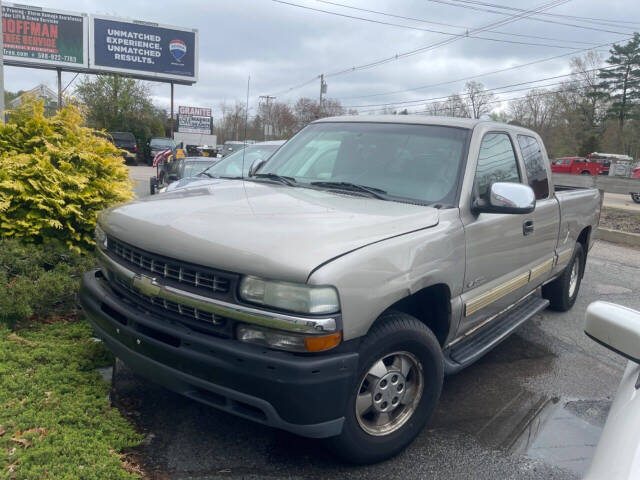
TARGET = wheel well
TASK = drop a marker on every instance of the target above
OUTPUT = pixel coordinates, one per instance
(431, 306)
(583, 238)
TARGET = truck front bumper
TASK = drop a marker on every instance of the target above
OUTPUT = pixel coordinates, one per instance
(302, 394)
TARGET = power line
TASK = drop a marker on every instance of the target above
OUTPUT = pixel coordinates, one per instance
(510, 19)
(458, 35)
(432, 46)
(431, 22)
(480, 75)
(602, 21)
(470, 7)
(500, 100)
(555, 77)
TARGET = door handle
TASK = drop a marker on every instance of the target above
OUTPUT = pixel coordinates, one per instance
(527, 228)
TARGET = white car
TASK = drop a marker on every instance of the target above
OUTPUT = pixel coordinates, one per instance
(617, 456)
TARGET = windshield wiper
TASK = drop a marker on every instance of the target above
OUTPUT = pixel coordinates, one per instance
(372, 191)
(278, 178)
(206, 174)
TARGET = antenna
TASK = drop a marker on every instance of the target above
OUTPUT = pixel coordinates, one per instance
(246, 120)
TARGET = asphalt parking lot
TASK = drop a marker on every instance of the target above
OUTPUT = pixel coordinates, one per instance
(532, 408)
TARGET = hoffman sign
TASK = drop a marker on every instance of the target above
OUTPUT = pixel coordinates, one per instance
(195, 120)
(143, 49)
(49, 38)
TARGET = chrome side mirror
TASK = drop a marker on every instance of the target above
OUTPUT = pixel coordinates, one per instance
(615, 327)
(255, 166)
(505, 197)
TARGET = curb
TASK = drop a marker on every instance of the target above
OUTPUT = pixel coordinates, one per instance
(618, 236)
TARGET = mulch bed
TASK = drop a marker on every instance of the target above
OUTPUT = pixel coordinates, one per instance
(618, 219)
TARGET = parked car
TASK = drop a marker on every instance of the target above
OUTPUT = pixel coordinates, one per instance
(329, 297)
(635, 196)
(125, 141)
(579, 165)
(618, 329)
(156, 145)
(233, 166)
(182, 169)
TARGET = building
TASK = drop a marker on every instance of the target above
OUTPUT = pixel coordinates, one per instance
(42, 92)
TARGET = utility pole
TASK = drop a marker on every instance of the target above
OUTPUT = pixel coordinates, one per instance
(323, 90)
(268, 125)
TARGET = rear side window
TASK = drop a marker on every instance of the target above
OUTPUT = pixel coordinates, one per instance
(534, 166)
(496, 163)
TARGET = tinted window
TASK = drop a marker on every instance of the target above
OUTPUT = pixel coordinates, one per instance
(238, 163)
(534, 166)
(162, 143)
(496, 163)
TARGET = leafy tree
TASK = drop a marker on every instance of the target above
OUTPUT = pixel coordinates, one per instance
(120, 104)
(622, 82)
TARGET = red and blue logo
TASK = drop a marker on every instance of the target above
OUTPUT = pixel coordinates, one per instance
(178, 49)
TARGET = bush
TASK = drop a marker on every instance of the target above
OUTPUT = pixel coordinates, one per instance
(55, 176)
(38, 281)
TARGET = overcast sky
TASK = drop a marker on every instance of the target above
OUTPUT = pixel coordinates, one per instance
(281, 46)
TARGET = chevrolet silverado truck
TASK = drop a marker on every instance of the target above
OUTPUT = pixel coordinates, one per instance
(330, 291)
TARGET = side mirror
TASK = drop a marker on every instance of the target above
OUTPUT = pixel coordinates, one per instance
(505, 197)
(255, 166)
(615, 327)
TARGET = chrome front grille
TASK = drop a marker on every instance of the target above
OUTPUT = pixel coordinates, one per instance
(174, 270)
(180, 309)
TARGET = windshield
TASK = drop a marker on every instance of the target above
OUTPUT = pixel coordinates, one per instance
(191, 169)
(415, 162)
(231, 165)
(162, 143)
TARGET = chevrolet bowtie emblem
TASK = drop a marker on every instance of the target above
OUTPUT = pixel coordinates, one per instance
(146, 285)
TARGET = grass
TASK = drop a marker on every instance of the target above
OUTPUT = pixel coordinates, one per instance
(55, 417)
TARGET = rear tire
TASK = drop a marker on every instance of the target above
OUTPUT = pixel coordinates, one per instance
(563, 291)
(586, 173)
(153, 185)
(635, 197)
(403, 351)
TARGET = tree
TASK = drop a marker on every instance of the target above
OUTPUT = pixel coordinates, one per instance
(120, 104)
(622, 82)
(477, 99)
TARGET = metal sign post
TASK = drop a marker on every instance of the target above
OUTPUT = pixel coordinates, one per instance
(1, 71)
(171, 109)
(59, 70)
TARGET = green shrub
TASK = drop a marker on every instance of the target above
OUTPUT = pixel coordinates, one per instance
(55, 417)
(38, 280)
(55, 176)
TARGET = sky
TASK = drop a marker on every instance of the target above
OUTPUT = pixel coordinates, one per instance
(280, 45)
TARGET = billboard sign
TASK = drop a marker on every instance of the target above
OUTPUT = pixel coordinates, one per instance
(37, 36)
(143, 49)
(195, 120)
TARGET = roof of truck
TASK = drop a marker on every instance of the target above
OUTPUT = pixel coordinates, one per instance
(412, 119)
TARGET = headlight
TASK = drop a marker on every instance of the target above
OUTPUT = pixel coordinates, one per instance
(287, 341)
(101, 238)
(294, 297)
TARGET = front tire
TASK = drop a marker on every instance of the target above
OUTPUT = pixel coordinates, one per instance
(395, 393)
(563, 291)
(635, 197)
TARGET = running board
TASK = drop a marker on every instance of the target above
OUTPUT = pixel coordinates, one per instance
(470, 349)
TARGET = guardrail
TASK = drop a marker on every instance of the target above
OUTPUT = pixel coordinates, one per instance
(601, 182)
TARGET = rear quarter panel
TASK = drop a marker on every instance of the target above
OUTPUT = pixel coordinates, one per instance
(579, 209)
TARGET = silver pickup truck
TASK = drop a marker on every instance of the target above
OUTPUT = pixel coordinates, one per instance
(330, 292)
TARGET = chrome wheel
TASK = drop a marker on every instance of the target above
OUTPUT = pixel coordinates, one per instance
(389, 393)
(575, 274)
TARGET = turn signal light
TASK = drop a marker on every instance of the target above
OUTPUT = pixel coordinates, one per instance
(325, 342)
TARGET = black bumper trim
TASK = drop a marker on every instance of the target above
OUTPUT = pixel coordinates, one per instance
(266, 387)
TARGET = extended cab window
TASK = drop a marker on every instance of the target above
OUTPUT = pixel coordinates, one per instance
(534, 166)
(496, 163)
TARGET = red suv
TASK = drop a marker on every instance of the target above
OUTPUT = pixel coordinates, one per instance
(635, 174)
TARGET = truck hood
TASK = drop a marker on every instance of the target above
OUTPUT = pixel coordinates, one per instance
(260, 228)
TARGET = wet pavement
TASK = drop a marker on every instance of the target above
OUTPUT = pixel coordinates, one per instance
(532, 408)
